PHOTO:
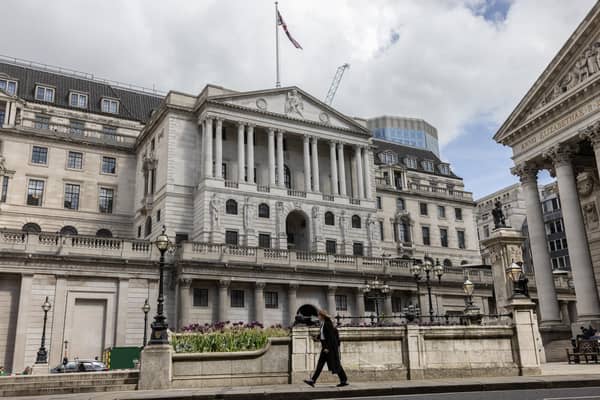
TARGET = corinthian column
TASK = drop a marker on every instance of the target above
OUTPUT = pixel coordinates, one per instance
(219, 149)
(208, 148)
(241, 159)
(592, 134)
(280, 176)
(250, 153)
(333, 167)
(588, 304)
(367, 172)
(315, 165)
(307, 186)
(549, 311)
(341, 169)
(271, 151)
(359, 172)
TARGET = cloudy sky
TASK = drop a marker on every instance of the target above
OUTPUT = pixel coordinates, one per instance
(462, 65)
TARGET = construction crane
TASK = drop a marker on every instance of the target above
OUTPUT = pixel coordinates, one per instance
(336, 82)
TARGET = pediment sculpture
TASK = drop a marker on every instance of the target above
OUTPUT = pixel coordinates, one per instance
(294, 104)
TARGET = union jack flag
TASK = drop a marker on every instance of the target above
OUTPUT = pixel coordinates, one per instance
(285, 29)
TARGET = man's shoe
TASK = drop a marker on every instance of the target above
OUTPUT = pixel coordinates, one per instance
(342, 384)
(309, 382)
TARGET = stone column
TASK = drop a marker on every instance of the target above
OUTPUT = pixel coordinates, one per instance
(219, 149)
(208, 148)
(341, 169)
(122, 302)
(280, 175)
(387, 304)
(315, 165)
(185, 302)
(359, 172)
(359, 301)
(549, 312)
(23, 320)
(564, 312)
(250, 153)
(367, 173)
(259, 302)
(241, 159)
(292, 306)
(588, 304)
(307, 186)
(271, 151)
(331, 308)
(223, 300)
(333, 167)
(592, 134)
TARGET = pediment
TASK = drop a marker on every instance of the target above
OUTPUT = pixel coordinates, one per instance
(292, 103)
(574, 68)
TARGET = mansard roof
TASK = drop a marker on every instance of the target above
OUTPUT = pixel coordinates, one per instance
(403, 152)
(133, 105)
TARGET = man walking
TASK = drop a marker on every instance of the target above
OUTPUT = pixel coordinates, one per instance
(330, 351)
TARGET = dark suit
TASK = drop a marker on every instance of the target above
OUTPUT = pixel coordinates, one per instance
(331, 357)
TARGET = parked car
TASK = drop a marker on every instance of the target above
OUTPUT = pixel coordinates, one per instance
(79, 366)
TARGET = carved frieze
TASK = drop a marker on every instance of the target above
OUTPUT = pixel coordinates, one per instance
(294, 104)
(590, 215)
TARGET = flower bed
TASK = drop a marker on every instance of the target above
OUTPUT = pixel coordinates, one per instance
(224, 337)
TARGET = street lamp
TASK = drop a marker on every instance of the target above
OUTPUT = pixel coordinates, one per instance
(159, 326)
(145, 309)
(42, 354)
(428, 267)
(519, 279)
(376, 290)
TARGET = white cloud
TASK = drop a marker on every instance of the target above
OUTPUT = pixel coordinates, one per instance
(447, 64)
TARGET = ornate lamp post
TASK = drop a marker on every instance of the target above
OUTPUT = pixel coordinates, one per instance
(519, 279)
(159, 326)
(145, 309)
(376, 291)
(428, 268)
(42, 354)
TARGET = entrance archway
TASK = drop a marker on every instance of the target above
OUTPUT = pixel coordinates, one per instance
(307, 310)
(296, 228)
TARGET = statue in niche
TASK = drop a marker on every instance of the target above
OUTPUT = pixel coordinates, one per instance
(293, 103)
(316, 225)
(371, 231)
(592, 67)
(247, 213)
(498, 214)
(215, 206)
(590, 214)
(343, 227)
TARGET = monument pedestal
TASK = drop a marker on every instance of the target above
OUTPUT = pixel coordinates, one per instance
(40, 369)
(156, 367)
(527, 335)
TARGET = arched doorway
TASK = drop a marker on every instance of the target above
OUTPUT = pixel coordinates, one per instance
(296, 228)
(306, 315)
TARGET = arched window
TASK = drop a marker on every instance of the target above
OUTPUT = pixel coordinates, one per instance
(447, 262)
(464, 262)
(356, 221)
(329, 218)
(148, 226)
(104, 233)
(287, 177)
(431, 260)
(231, 207)
(263, 210)
(31, 227)
(68, 230)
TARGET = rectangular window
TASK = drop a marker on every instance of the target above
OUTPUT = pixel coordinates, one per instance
(200, 297)
(4, 189)
(106, 200)
(8, 86)
(330, 247)
(39, 155)
(44, 93)
(461, 239)
(109, 133)
(486, 231)
(426, 236)
(381, 230)
(35, 192)
(78, 100)
(458, 214)
(76, 127)
(158, 216)
(264, 240)
(341, 302)
(110, 106)
(423, 208)
(231, 238)
(41, 122)
(444, 237)
(71, 196)
(559, 226)
(237, 298)
(139, 235)
(400, 205)
(369, 304)
(271, 300)
(109, 165)
(396, 304)
(75, 160)
(357, 249)
(441, 212)
(224, 171)
(378, 200)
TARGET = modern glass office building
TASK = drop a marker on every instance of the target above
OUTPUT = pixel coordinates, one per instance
(407, 131)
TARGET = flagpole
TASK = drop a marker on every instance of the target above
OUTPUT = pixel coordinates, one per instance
(277, 82)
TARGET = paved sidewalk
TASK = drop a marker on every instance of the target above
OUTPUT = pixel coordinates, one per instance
(359, 389)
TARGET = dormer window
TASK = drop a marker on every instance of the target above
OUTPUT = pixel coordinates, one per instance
(8, 86)
(427, 165)
(78, 100)
(388, 158)
(410, 162)
(444, 169)
(44, 93)
(110, 106)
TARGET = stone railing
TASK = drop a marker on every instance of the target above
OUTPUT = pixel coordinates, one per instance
(441, 191)
(296, 193)
(65, 245)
